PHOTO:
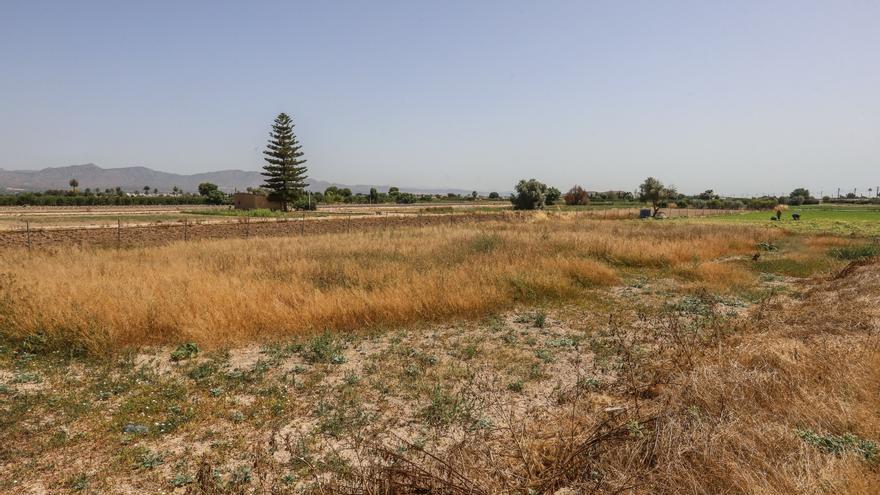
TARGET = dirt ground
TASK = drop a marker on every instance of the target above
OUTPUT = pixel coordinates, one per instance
(155, 234)
(304, 416)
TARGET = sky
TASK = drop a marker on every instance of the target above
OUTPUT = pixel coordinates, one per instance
(745, 97)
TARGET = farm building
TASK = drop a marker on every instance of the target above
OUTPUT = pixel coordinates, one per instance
(250, 201)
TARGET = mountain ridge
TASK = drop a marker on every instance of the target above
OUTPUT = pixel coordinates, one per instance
(136, 178)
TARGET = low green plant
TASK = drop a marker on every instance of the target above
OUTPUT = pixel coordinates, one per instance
(79, 482)
(150, 460)
(540, 319)
(851, 253)
(446, 408)
(323, 349)
(185, 351)
(181, 480)
(766, 246)
(839, 444)
(544, 355)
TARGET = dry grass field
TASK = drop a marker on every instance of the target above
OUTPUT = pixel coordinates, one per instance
(551, 355)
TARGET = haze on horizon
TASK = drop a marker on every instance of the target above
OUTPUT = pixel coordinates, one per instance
(742, 97)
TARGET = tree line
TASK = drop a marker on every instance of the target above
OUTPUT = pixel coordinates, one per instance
(532, 194)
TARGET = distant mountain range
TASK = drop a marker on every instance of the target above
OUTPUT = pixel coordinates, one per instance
(135, 178)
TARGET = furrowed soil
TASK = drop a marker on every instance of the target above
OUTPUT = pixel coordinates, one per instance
(195, 230)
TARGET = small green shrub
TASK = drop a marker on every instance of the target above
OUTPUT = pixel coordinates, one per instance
(838, 444)
(79, 482)
(185, 351)
(323, 349)
(540, 319)
(202, 371)
(150, 460)
(766, 246)
(485, 243)
(181, 480)
(850, 253)
(544, 355)
(446, 408)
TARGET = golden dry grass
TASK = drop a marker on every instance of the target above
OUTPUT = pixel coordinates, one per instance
(640, 390)
(228, 292)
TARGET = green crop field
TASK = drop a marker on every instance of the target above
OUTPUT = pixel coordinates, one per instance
(849, 219)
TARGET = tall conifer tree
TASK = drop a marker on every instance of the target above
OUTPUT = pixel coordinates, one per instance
(284, 171)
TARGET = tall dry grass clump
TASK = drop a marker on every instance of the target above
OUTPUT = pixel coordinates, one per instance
(234, 291)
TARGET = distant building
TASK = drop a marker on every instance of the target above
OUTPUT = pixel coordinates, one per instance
(249, 201)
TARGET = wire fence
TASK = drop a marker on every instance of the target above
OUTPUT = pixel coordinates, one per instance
(126, 235)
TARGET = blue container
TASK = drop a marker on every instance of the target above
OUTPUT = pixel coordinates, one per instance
(645, 213)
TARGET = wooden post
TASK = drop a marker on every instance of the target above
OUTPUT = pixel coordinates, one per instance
(27, 226)
(185, 224)
(302, 224)
(247, 227)
(118, 233)
(348, 223)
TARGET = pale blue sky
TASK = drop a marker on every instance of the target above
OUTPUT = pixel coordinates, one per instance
(741, 97)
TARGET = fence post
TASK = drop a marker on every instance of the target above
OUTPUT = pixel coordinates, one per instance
(118, 233)
(348, 224)
(247, 227)
(27, 226)
(302, 224)
(185, 225)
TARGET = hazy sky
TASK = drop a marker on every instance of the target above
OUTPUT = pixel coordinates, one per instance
(741, 97)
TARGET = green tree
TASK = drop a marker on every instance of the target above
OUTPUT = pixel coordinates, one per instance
(707, 195)
(205, 188)
(374, 195)
(653, 191)
(800, 196)
(529, 195)
(494, 195)
(212, 193)
(73, 184)
(405, 198)
(284, 172)
(553, 195)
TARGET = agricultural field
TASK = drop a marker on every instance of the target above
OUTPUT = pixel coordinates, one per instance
(838, 219)
(48, 217)
(542, 353)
